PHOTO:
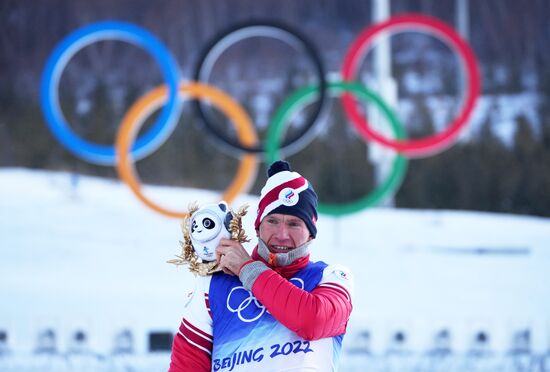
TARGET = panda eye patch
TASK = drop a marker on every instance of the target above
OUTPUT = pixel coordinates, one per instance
(208, 223)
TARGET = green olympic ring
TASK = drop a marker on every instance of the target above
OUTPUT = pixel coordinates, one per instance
(296, 100)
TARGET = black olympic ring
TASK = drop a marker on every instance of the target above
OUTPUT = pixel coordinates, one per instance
(271, 29)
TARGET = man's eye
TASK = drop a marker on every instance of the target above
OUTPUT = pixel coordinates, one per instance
(298, 223)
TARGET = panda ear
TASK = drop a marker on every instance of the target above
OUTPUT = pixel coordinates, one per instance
(223, 206)
(227, 221)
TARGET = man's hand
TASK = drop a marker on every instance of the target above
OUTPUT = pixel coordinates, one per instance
(231, 256)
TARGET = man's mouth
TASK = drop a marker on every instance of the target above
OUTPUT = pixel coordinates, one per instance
(280, 248)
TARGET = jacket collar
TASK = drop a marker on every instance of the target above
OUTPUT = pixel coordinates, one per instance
(286, 264)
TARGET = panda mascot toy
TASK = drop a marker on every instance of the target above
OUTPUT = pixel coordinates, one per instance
(202, 231)
(208, 225)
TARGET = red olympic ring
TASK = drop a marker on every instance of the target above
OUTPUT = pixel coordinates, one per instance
(427, 145)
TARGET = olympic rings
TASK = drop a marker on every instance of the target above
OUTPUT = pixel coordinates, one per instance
(266, 29)
(247, 299)
(427, 145)
(258, 308)
(247, 144)
(133, 120)
(108, 30)
(399, 165)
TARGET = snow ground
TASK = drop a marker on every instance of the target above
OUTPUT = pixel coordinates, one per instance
(84, 253)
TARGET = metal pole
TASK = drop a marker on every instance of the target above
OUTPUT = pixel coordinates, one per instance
(386, 87)
(462, 17)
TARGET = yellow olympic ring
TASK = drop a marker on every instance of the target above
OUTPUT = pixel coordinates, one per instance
(135, 117)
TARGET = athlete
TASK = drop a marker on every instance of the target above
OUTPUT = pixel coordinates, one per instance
(274, 309)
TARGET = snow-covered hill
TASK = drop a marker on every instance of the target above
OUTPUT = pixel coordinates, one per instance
(79, 252)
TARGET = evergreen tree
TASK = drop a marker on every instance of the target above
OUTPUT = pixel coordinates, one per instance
(527, 159)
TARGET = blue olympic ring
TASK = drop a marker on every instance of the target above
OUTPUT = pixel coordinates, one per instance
(67, 48)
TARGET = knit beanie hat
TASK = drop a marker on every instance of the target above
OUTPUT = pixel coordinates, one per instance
(287, 192)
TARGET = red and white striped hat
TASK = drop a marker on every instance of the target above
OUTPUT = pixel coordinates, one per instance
(287, 192)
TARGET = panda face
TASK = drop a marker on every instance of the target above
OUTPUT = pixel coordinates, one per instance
(208, 225)
(205, 225)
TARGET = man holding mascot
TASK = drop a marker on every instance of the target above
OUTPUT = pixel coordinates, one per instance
(273, 309)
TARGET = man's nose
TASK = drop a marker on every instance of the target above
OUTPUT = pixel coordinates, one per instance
(282, 232)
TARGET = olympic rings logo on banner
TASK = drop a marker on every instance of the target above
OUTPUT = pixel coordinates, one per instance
(241, 301)
(129, 149)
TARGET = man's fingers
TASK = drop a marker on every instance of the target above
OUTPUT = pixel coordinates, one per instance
(226, 242)
(220, 251)
(222, 264)
(218, 256)
(231, 255)
(223, 247)
(227, 271)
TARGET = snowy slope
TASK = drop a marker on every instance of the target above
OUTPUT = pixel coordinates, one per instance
(84, 253)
